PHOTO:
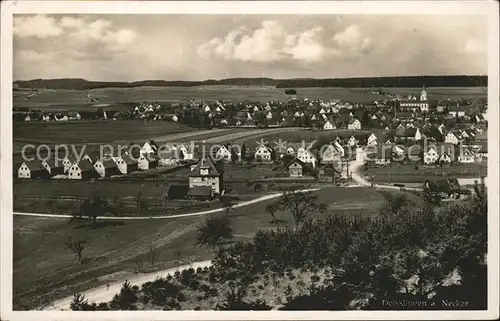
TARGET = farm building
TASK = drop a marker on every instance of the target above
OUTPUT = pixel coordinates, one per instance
(200, 193)
(177, 192)
(33, 169)
(106, 168)
(126, 164)
(147, 161)
(82, 170)
(207, 173)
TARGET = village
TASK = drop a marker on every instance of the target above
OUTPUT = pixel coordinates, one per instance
(384, 134)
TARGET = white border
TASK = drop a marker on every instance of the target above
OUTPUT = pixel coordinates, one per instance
(487, 8)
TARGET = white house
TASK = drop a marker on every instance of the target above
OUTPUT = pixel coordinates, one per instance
(331, 155)
(33, 169)
(431, 156)
(328, 125)
(106, 168)
(263, 154)
(354, 124)
(466, 156)
(372, 140)
(269, 115)
(306, 156)
(146, 162)
(322, 111)
(175, 118)
(125, 164)
(81, 170)
(223, 153)
(352, 141)
(148, 148)
(451, 138)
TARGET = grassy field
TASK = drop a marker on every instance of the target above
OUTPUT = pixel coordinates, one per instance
(408, 173)
(45, 270)
(75, 99)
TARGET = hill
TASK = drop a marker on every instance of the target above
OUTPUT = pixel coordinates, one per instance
(406, 81)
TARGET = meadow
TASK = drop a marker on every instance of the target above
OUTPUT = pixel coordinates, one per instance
(408, 174)
(76, 99)
(45, 270)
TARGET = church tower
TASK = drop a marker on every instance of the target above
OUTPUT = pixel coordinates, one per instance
(423, 94)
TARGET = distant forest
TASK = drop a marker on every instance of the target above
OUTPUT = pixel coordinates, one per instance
(407, 81)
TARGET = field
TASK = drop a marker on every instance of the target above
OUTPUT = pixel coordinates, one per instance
(76, 99)
(45, 270)
(408, 173)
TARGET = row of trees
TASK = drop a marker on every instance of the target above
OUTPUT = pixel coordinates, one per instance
(414, 250)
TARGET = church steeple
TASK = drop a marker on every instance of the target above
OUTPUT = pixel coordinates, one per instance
(423, 94)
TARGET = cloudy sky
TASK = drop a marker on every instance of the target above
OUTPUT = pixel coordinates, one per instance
(198, 47)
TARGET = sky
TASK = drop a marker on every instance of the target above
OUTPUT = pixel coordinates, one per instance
(199, 47)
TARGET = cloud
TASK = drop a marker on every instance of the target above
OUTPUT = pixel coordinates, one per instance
(271, 42)
(83, 38)
(39, 26)
(473, 47)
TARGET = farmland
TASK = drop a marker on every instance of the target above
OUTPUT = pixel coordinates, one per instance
(76, 99)
(408, 174)
(121, 247)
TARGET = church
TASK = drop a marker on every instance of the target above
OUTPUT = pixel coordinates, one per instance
(411, 104)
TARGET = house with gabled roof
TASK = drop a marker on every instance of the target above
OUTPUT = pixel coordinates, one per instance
(331, 154)
(328, 125)
(52, 167)
(33, 169)
(264, 154)
(379, 155)
(453, 137)
(465, 155)
(147, 161)
(126, 164)
(82, 170)
(224, 152)
(354, 124)
(306, 156)
(106, 168)
(207, 173)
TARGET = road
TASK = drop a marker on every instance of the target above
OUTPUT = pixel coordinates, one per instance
(241, 204)
(105, 293)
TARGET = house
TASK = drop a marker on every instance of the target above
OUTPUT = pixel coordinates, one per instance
(33, 169)
(224, 152)
(381, 155)
(67, 162)
(466, 156)
(206, 173)
(126, 164)
(149, 148)
(264, 154)
(329, 172)
(82, 170)
(448, 187)
(296, 168)
(183, 152)
(200, 193)
(52, 168)
(147, 161)
(354, 124)
(457, 111)
(331, 154)
(106, 168)
(439, 154)
(328, 125)
(452, 138)
(431, 156)
(372, 140)
(306, 156)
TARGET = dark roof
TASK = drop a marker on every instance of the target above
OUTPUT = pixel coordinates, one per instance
(85, 165)
(295, 160)
(128, 160)
(108, 163)
(205, 162)
(52, 163)
(35, 165)
(443, 185)
(178, 191)
(200, 191)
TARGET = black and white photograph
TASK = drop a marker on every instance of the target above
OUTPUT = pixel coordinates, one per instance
(304, 158)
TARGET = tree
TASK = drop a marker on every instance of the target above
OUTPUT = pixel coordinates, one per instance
(235, 302)
(213, 231)
(92, 209)
(140, 203)
(77, 246)
(227, 204)
(300, 204)
(126, 299)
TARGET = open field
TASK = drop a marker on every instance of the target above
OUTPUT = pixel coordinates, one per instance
(94, 131)
(45, 270)
(408, 173)
(76, 99)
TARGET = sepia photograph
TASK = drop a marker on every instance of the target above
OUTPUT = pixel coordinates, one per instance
(328, 156)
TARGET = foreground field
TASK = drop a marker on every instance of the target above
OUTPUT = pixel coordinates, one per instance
(45, 270)
(408, 173)
(77, 98)
(94, 131)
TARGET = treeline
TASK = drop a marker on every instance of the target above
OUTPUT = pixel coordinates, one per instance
(82, 84)
(407, 81)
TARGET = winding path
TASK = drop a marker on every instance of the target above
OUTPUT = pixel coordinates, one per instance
(105, 292)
